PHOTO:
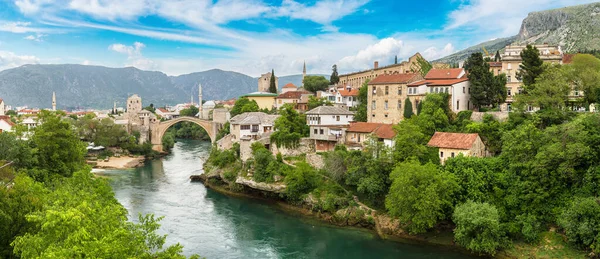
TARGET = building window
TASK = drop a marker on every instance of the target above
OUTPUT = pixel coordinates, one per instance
(431, 89)
(385, 105)
(385, 115)
(337, 118)
(463, 89)
(399, 90)
(452, 154)
(315, 131)
(457, 105)
(374, 90)
(508, 92)
(373, 105)
(508, 79)
(387, 90)
(442, 154)
(244, 127)
(373, 115)
(321, 131)
(469, 89)
(399, 104)
(576, 93)
(447, 89)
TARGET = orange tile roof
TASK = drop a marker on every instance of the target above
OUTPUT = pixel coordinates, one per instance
(395, 79)
(450, 73)
(453, 140)
(352, 92)
(292, 95)
(381, 130)
(289, 85)
(162, 110)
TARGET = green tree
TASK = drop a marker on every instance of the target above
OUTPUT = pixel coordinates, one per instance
(191, 111)
(585, 73)
(334, 79)
(363, 99)
(408, 108)
(486, 89)
(531, 67)
(420, 195)
(168, 141)
(478, 228)
(315, 83)
(272, 85)
(422, 66)
(411, 142)
(302, 180)
(289, 127)
(581, 222)
(59, 149)
(314, 102)
(243, 105)
(150, 108)
(11, 113)
(107, 133)
(396, 59)
(17, 151)
(550, 90)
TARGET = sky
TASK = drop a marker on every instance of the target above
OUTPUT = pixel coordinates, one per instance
(251, 36)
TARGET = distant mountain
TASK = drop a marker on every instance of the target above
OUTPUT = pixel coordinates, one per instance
(491, 46)
(83, 86)
(574, 28)
(216, 84)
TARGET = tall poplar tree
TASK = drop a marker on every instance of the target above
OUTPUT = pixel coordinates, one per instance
(486, 89)
(273, 86)
(531, 67)
(334, 79)
(408, 108)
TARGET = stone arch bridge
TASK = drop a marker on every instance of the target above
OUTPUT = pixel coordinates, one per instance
(158, 130)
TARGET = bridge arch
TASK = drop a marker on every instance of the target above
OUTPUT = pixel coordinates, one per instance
(161, 128)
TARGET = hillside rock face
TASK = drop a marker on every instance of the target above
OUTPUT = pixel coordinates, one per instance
(573, 28)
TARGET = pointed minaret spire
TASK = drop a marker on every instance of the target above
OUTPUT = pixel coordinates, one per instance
(53, 101)
(115, 107)
(303, 72)
(199, 100)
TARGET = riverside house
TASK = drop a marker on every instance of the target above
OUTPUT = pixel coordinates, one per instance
(328, 125)
(452, 144)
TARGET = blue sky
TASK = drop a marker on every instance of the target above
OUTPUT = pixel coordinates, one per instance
(250, 36)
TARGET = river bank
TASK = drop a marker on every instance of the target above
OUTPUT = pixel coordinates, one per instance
(123, 162)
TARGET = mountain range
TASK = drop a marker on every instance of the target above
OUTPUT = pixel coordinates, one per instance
(574, 28)
(79, 86)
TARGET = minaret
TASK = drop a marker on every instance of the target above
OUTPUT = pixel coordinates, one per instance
(115, 107)
(199, 100)
(303, 72)
(53, 101)
(192, 100)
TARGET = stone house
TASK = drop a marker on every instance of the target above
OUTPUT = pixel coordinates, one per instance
(251, 125)
(328, 125)
(265, 100)
(289, 88)
(452, 81)
(292, 97)
(452, 144)
(386, 96)
(359, 133)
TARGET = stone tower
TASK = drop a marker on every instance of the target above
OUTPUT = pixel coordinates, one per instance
(199, 100)
(303, 73)
(265, 81)
(134, 105)
(53, 101)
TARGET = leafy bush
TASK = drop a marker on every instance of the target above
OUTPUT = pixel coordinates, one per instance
(581, 221)
(478, 227)
(302, 180)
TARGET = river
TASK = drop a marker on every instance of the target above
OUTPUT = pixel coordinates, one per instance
(217, 226)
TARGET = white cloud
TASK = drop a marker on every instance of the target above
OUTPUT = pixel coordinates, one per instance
(110, 9)
(37, 37)
(322, 12)
(31, 6)
(134, 55)
(433, 53)
(11, 60)
(86, 62)
(385, 49)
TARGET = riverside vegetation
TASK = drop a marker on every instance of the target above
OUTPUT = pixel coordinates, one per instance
(536, 197)
(51, 206)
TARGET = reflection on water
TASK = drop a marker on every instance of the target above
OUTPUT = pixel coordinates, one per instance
(216, 226)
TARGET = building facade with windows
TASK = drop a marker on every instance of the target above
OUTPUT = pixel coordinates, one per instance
(386, 96)
(328, 126)
(452, 81)
(356, 79)
(251, 125)
(359, 134)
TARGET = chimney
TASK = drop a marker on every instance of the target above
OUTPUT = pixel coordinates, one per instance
(376, 65)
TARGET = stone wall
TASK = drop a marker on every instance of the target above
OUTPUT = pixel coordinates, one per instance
(315, 160)
(306, 146)
(499, 116)
(226, 142)
(221, 115)
(245, 150)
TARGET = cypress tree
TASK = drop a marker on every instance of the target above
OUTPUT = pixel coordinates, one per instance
(334, 79)
(408, 108)
(272, 86)
(531, 67)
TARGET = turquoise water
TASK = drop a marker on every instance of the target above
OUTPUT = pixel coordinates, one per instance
(217, 226)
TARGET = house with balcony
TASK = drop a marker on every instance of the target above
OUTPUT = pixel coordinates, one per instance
(328, 125)
(251, 125)
(166, 114)
(452, 81)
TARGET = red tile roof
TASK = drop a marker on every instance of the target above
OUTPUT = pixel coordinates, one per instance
(453, 140)
(292, 94)
(381, 130)
(395, 79)
(162, 110)
(450, 73)
(290, 85)
(352, 92)
(6, 119)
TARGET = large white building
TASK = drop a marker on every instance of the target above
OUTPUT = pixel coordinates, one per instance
(452, 81)
(328, 125)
